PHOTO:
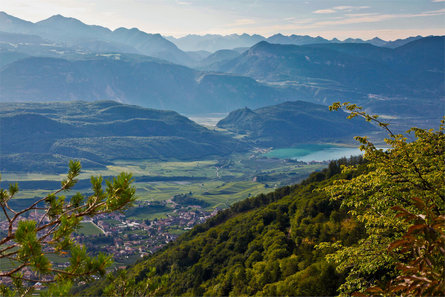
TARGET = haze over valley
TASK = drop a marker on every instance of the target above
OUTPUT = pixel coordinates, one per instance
(229, 140)
(84, 62)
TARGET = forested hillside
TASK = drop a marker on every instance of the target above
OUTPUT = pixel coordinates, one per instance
(374, 225)
(290, 123)
(262, 245)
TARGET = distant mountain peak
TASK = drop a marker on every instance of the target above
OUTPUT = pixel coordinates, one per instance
(136, 31)
(377, 39)
(353, 40)
(58, 18)
(215, 42)
(126, 30)
(262, 46)
(296, 39)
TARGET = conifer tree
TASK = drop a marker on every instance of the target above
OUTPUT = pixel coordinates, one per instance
(29, 242)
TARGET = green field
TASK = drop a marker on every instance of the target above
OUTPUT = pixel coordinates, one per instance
(225, 194)
(89, 228)
(219, 182)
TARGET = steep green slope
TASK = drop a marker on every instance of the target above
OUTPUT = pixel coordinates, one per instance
(291, 123)
(99, 132)
(263, 245)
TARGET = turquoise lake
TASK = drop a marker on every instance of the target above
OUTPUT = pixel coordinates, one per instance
(314, 152)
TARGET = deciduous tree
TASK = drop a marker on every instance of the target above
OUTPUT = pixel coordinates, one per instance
(401, 203)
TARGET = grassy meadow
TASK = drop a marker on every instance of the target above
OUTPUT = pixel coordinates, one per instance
(218, 182)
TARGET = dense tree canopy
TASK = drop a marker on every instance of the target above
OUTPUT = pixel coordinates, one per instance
(400, 201)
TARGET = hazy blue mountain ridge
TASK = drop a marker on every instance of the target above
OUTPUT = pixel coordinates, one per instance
(323, 73)
(93, 62)
(71, 32)
(215, 42)
(362, 67)
(134, 80)
(60, 28)
(295, 39)
(12, 24)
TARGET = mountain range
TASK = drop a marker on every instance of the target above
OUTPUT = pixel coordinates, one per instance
(133, 79)
(63, 59)
(215, 42)
(71, 32)
(266, 74)
(264, 245)
(389, 81)
(413, 69)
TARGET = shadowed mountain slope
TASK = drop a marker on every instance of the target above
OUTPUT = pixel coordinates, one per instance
(411, 70)
(291, 123)
(135, 80)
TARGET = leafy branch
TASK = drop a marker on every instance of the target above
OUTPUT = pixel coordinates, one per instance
(400, 201)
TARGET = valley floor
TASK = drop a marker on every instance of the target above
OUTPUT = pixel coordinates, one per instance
(172, 197)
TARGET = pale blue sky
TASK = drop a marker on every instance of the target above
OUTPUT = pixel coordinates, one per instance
(388, 19)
